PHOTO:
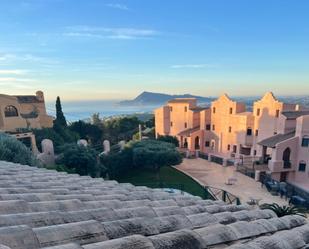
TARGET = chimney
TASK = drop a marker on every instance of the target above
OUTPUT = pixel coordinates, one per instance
(40, 96)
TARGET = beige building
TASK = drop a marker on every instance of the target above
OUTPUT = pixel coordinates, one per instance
(274, 133)
(22, 112)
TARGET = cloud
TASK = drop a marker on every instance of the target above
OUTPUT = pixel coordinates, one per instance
(110, 33)
(8, 58)
(14, 71)
(117, 6)
(17, 83)
(196, 66)
(12, 79)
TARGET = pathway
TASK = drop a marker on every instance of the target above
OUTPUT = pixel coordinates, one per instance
(215, 175)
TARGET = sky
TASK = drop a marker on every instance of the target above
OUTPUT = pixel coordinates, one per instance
(106, 49)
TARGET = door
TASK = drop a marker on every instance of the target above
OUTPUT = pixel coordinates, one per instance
(283, 176)
(286, 158)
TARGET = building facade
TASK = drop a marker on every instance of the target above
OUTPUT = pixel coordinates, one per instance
(23, 112)
(274, 133)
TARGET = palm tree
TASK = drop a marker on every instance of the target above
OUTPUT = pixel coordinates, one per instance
(284, 210)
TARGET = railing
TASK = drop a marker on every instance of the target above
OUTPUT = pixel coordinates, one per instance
(287, 164)
(220, 194)
(285, 189)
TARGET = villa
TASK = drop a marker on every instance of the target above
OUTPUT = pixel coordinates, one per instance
(23, 112)
(274, 134)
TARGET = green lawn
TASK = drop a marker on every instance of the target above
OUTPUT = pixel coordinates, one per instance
(169, 178)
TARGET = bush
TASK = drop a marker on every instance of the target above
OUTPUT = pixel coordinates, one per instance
(169, 139)
(152, 154)
(145, 154)
(117, 163)
(59, 136)
(80, 159)
(12, 150)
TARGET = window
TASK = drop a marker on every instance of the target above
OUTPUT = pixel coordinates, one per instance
(212, 145)
(186, 125)
(277, 113)
(213, 127)
(208, 126)
(256, 133)
(302, 166)
(186, 109)
(235, 148)
(207, 144)
(228, 147)
(214, 110)
(231, 110)
(254, 152)
(249, 132)
(171, 124)
(10, 111)
(258, 112)
(230, 129)
(305, 141)
(171, 108)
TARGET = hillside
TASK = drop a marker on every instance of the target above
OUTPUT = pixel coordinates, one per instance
(150, 98)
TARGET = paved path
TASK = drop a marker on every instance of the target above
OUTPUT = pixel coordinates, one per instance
(215, 175)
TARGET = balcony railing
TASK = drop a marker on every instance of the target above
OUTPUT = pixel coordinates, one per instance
(287, 164)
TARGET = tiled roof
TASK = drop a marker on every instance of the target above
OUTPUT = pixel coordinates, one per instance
(52, 210)
(24, 99)
(181, 100)
(295, 114)
(198, 108)
(188, 132)
(271, 142)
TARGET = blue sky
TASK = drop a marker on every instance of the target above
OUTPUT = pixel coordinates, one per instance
(100, 49)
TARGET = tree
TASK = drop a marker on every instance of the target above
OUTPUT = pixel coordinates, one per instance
(12, 150)
(87, 131)
(169, 139)
(80, 159)
(96, 120)
(60, 118)
(121, 128)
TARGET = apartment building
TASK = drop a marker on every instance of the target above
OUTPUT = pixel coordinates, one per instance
(273, 133)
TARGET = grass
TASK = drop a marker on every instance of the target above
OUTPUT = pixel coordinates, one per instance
(168, 178)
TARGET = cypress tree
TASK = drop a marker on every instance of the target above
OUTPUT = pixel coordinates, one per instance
(60, 118)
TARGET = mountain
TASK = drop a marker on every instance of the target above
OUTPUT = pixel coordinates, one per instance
(150, 98)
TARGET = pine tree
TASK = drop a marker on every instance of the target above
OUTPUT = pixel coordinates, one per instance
(60, 118)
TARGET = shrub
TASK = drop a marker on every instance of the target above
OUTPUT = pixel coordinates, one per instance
(145, 154)
(283, 210)
(12, 150)
(80, 159)
(152, 154)
(117, 163)
(169, 139)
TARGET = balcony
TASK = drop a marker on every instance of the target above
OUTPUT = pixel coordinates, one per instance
(287, 164)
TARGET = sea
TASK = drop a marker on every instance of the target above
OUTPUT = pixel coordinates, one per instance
(83, 110)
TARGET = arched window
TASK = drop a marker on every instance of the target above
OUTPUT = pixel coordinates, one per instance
(10, 111)
(302, 166)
